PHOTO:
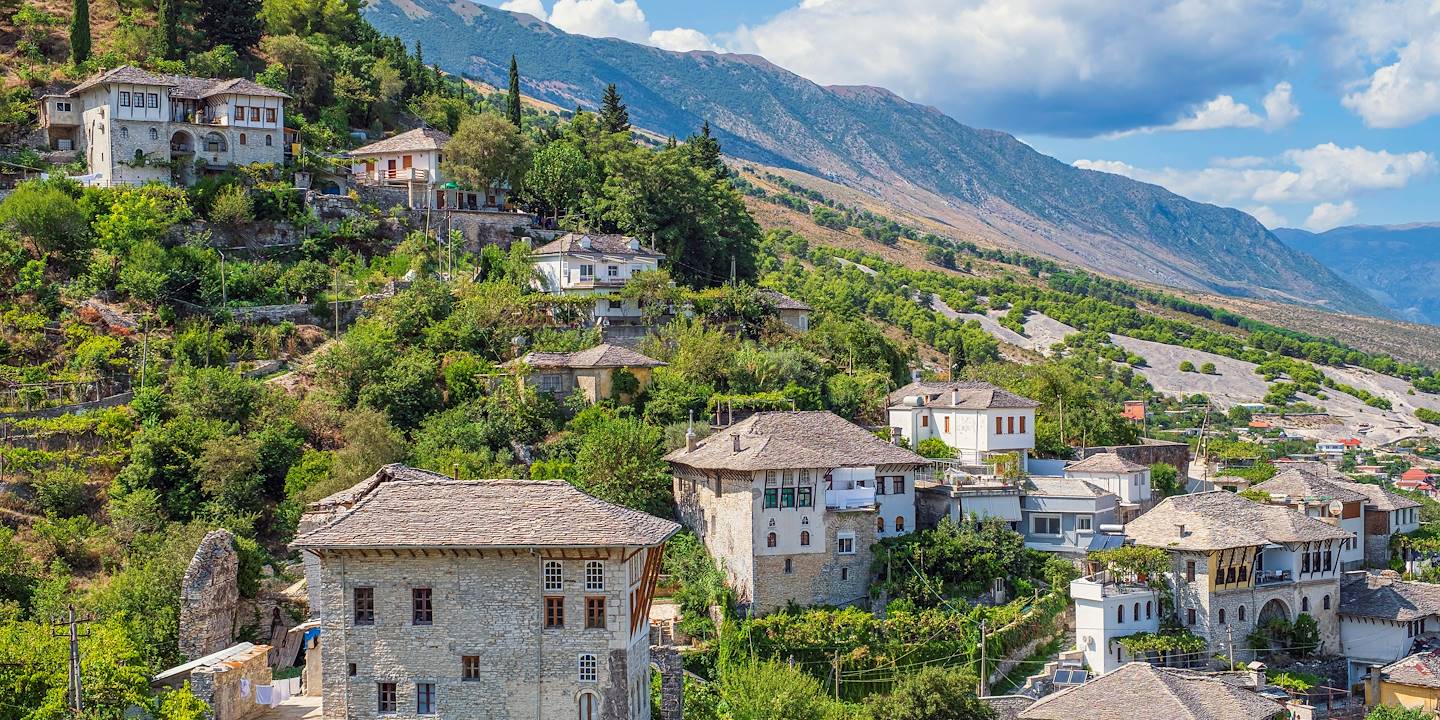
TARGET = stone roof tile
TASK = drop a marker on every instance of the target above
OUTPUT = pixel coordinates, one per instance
(1419, 670)
(1219, 519)
(796, 439)
(962, 395)
(1140, 690)
(1107, 463)
(423, 138)
(1384, 595)
(616, 244)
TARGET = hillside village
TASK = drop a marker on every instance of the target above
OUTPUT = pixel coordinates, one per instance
(333, 385)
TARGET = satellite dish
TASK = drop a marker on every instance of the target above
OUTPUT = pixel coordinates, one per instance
(1336, 507)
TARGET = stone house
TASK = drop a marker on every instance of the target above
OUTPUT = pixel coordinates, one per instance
(591, 372)
(598, 265)
(489, 598)
(1126, 480)
(1412, 682)
(789, 504)
(1384, 619)
(1064, 515)
(977, 419)
(133, 126)
(1237, 563)
(1368, 511)
(792, 312)
(1141, 690)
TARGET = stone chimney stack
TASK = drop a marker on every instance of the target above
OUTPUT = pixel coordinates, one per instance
(1257, 674)
(1372, 685)
(895, 436)
(1180, 530)
(735, 442)
(690, 434)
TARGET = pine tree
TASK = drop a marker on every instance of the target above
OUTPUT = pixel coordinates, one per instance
(80, 32)
(705, 151)
(512, 101)
(614, 116)
(229, 22)
(168, 13)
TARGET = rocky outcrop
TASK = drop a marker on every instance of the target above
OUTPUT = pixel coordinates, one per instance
(209, 596)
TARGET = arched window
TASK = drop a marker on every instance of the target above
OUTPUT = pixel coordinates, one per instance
(1304, 604)
(1242, 613)
(595, 576)
(124, 133)
(1326, 602)
(1135, 612)
(804, 537)
(554, 575)
(879, 524)
(269, 140)
(154, 134)
(1119, 613)
(1222, 616)
(770, 540)
(899, 523)
(242, 138)
(1149, 607)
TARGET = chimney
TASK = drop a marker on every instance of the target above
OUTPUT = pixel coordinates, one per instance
(1180, 529)
(895, 436)
(1372, 685)
(1257, 674)
(735, 441)
(690, 434)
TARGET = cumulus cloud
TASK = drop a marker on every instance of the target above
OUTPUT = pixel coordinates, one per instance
(681, 40)
(1280, 106)
(601, 18)
(1330, 215)
(1267, 216)
(529, 7)
(1326, 173)
(1406, 91)
(1225, 112)
(1066, 67)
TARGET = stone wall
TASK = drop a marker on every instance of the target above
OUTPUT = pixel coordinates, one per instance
(1149, 452)
(490, 606)
(209, 596)
(1208, 605)
(723, 522)
(229, 687)
(823, 578)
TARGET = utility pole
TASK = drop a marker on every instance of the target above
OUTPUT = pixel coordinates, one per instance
(223, 299)
(1230, 638)
(980, 684)
(837, 675)
(335, 302)
(732, 269)
(144, 348)
(72, 629)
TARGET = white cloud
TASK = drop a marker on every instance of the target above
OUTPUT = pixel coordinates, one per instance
(1267, 216)
(1330, 215)
(601, 18)
(1225, 112)
(529, 7)
(1326, 173)
(1392, 47)
(681, 40)
(1280, 107)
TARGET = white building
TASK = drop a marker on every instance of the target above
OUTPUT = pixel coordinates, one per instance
(792, 312)
(977, 419)
(1109, 607)
(458, 599)
(1384, 619)
(789, 504)
(1368, 511)
(599, 265)
(1127, 480)
(134, 126)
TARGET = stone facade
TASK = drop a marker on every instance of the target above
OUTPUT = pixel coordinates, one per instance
(489, 605)
(1150, 452)
(1319, 597)
(828, 577)
(209, 596)
(229, 687)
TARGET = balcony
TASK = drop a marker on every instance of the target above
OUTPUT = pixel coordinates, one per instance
(859, 498)
(1272, 577)
(590, 283)
(395, 175)
(1103, 585)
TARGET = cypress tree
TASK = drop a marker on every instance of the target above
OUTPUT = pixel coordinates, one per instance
(614, 116)
(168, 13)
(512, 101)
(229, 22)
(80, 32)
(705, 151)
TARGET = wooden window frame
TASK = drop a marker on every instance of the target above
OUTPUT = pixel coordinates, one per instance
(554, 612)
(469, 668)
(364, 612)
(594, 576)
(595, 613)
(387, 698)
(425, 698)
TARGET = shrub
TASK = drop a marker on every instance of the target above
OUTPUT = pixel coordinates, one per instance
(1426, 415)
(61, 491)
(1208, 368)
(1187, 366)
(233, 206)
(935, 448)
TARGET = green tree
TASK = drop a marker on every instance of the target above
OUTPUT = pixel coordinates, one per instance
(620, 460)
(47, 215)
(486, 150)
(934, 448)
(236, 23)
(773, 691)
(931, 693)
(614, 116)
(1187, 366)
(1208, 368)
(1165, 479)
(79, 31)
(1397, 712)
(512, 98)
(180, 705)
(168, 14)
(704, 151)
(560, 177)
(220, 61)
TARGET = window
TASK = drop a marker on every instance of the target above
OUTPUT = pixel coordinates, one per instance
(242, 138)
(1304, 604)
(879, 485)
(772, 478)
(124, 99)
(1119, 613)
(879, 524)
(1149, 606)
(62, 107)
(1241, 613)
(350, 669)
(424, 698)
(924, 421)
(239, 113)
(897, 485)
(804, 497)
(1304, 562)
(1022, 424)
(1190, 571)
(845, 573)
(1222, 616)
(947, 423)
(845, 544)
(364, 600)
(589, 670)
(804, 537)
(787, 497)
(1045, 524)
(1190, 616)
(587, 272)
(423, 611)
(269, 140)
(1328, 560)
(269, 116)
(770, 540)
(554, 575)
(999, 426)
(1325, 603)
(385, 693)
(254, 114)
(899, 523)
(615, 304)
(595, 613)
(1010, 426)
(154, 134)
(595, 576)
(554, 612)
(1135, 613)
(612, 271)
(152, 100)
(788, 567)
(772, 498)
(1082, 523)
(470, 667)
(589, 707)
(124, 133)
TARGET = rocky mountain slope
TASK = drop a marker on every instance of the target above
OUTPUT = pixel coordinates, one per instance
(1397, 264)
(985, 185)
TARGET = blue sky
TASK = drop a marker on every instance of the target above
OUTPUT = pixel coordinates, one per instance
(1306, 113)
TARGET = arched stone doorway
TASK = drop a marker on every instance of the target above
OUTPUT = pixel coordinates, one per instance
(182, 157)
(1274, 609)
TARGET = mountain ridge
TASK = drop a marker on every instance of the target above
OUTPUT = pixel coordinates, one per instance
(986, 184)
(1396, 264)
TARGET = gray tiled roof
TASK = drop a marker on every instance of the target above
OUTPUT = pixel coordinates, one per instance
(423, 138)
(1380, 498)
(404, 507)
(181, 86)
(1008, 707)
(1063, 487)
(616, 244)
(604, 355)
(1384, 595)
(781, 301)
(1219, 519)
(1302, 483)
(1419, 670)
(1105, 462)
(1139, 690)
(798, 439)
(124, 74)
(963, 395)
